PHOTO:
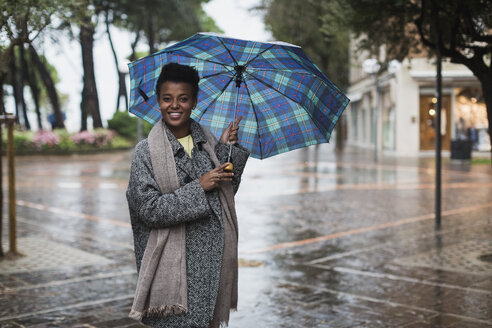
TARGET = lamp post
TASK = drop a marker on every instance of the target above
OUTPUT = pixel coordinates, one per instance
(371, 67)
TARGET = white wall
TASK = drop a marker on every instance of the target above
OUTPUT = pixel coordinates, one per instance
(407, 113)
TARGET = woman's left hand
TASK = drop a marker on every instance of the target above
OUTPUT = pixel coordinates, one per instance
(230, 133)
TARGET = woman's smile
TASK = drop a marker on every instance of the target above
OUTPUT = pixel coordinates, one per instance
(175, 115)
(176, 101)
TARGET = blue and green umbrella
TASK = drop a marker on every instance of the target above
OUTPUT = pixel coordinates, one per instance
(286, 102)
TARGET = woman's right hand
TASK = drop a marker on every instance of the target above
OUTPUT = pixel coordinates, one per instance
(211, 179)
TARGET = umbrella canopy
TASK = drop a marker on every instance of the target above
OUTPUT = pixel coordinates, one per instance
(286, 102)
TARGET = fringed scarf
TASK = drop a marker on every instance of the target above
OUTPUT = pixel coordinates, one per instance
(161, 285)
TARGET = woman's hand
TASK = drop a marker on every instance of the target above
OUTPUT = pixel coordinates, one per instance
(230, 133)
(211, 179)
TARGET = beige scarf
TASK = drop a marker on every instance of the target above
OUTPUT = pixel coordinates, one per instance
(161, 285)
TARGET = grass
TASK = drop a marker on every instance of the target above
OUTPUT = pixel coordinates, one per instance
(481, 161)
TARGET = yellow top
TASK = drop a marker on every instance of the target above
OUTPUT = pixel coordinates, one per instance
(187, 143)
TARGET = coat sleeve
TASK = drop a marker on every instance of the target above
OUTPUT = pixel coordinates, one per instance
(239, 156)
(157, 210)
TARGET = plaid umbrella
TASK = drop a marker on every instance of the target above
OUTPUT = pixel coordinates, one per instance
(286, 102)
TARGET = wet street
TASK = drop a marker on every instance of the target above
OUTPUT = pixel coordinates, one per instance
(326, 240)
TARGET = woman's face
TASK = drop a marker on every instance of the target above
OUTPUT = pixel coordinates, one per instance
(176, 101)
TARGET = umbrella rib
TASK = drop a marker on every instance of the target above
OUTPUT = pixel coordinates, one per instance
(293, 72)
(305, 73)
(256, 116)
(273, 88)
(286, 96)
(215, 74)
(206, 60)
(259, 54)
(230, 54)
(220, 93)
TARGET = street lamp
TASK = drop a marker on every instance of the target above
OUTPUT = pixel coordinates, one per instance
(372, 67)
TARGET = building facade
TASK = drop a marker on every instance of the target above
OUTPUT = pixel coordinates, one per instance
(394, 112)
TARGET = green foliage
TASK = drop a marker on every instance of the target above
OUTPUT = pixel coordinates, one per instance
(162, 21)
(126, 125)
(406, 27)
(316, 26)
(481, 161)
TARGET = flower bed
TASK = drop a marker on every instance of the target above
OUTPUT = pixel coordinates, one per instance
(61, 142)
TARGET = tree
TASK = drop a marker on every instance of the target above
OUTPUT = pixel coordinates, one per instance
(21, 22)
(45, 72)
(460, 30)
(162, 21)
(81, 24)
(122, 92)
(317, 28)
(159, 22)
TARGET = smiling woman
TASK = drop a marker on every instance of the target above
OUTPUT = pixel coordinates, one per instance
(182, 212)
(177, 99)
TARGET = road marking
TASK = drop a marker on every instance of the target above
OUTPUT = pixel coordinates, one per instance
(367, 186)
(351, 296)
(80, 234)
(386, 244)
(397, 278)
(62, 211)
(8, 290)
(67, 307)
(343, 254)
(366, 229)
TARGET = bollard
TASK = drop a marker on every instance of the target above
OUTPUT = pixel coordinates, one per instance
(12, 213)
(9, 120)
(1, 195)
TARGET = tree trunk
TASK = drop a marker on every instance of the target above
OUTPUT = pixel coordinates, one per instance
(90, 101)
(50, 87)
(15, 85)
(3, 76)
(487, 96)
(23, 77)
(33, 84)
(83, 110)
(122, 92)
(121, 76)
(133, 55)
(151, 33)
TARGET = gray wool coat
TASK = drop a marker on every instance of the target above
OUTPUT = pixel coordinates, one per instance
(190, 204)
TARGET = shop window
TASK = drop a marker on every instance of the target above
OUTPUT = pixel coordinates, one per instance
(470, 118)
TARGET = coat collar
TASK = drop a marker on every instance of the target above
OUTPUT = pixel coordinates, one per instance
(183, 161)
(196, 133)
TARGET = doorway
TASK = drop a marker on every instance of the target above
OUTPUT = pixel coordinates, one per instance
(428, 122)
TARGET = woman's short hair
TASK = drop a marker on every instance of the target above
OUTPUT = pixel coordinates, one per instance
(175, 72)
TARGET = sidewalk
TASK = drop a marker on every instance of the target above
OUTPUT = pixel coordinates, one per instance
(326, 240)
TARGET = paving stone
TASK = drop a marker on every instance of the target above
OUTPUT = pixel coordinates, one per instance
(399, 275)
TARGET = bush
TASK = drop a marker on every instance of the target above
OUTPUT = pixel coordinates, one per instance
(45, 139)
(126, 125)
(61, 142)
(98, 137)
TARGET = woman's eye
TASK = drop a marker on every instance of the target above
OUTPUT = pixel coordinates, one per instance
(166, 99)
(184, 99)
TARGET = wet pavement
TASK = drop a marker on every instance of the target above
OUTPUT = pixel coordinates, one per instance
(326, 240)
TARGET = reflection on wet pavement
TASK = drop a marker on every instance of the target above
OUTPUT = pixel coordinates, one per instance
(326, 240)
